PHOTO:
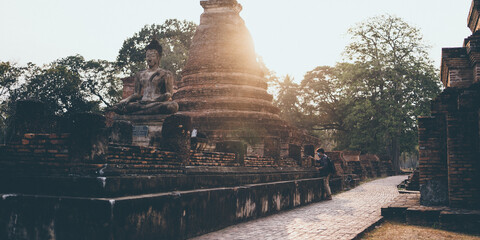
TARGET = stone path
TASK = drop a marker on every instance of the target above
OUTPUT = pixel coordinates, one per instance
(345, 216)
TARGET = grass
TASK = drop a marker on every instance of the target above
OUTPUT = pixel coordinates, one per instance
(399, 231)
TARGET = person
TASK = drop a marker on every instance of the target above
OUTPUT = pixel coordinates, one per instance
(326, 169)
(153, 88)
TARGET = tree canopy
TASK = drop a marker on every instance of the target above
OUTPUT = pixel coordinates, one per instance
(174, 35)
(373, 99)
(9, 75)
(58, 86)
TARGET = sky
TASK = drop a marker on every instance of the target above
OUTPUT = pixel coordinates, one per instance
(292, 36)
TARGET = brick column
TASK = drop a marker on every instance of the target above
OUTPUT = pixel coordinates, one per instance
(463, 159)
(433, 160)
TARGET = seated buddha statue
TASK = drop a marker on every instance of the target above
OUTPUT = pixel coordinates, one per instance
(153, 88)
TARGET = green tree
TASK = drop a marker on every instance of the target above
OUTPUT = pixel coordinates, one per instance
(174, 35)
(71, 85)
(99, 79)
(101, 82)
(372, 101)
(9, 78)
(9, 75)
(58, 86)
(287, 99)
(322, 100)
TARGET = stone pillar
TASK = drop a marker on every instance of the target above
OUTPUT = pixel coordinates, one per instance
(30, 117)
(433, 160)
(463, 174)
(121, 133)
(237, 147)
(295, 152)
(89, 137)
(309, 150)
(272, 148)
(176, 134)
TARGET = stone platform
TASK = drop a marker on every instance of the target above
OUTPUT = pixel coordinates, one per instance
(406, 208)
(49, 191)
(121, 186)
(167, 215)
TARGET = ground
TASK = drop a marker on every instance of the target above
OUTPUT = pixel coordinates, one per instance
(344, 217)
(400, 231)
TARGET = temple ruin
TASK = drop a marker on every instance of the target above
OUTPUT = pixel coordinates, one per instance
(449, 139)
(223, 158)
(224, 91)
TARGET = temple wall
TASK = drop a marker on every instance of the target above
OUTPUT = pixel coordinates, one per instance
(42, 154)
(124, 197)
(49, 154)
(463, 158)
(449, 150)
(449, 162)
(170, 215)
(433, 160)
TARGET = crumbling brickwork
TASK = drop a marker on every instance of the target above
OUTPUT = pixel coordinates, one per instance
(449, 140)
(224, 89)
(213, 159)
(125, 160)
(41, 154)
(433, 159)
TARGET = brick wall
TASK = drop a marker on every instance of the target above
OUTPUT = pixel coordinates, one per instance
(47, 154)
(213, 159)
(142, 160)
(354, 163)
(432, 148)
(433, 159)
(341, 166)
(366, 160)
(255, 161)
(456, 68)
(462, 145)
(449, 140)
(41, 154)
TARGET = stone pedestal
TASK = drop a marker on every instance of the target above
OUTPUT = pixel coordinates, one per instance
(147, 129)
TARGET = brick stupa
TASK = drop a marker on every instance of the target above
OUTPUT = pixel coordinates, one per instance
(223, 87)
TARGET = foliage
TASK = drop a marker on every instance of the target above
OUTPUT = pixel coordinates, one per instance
(71, 84)
(57, 86)
(174, 35)
(287, 99)
(322, 101)
(393, 85)
(9, 75)
(101, 82)
(372, 101)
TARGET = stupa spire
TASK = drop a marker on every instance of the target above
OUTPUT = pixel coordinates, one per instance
(222, 42)
(223, 87)
(215, 4)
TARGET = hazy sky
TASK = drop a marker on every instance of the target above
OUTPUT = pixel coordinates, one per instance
(292, 36)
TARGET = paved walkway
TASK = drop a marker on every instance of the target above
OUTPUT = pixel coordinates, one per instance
(345, 216)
